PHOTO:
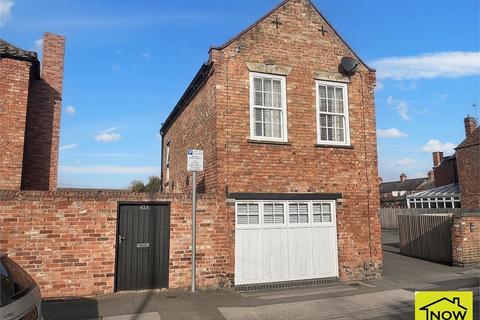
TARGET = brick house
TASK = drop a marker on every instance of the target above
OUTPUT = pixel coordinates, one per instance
(456, 176)
(30, 108)
(393, 194)
(289, 140)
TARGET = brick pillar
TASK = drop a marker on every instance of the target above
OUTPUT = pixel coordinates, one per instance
(14, 87)
(466, 239)
(470, 125)
(40, 169)
(437, 158)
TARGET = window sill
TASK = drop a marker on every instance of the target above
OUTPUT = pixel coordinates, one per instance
(281, 143)
(337, 146)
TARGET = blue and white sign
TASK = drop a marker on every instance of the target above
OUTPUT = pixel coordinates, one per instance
(195, 160)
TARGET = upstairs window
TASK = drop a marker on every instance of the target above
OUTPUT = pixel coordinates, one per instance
(268, 116)
(332, 113)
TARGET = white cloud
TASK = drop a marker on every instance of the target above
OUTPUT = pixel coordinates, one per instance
(109, 169)
(391, 133)
(146, 55)
(379, 86)
(5, 11)
(435, 145)
(70, 110)
(402, 109)
(406, 162)
(39, 45)
(108, 137)
(420, 175)
(68, 147)
(401, 106)
(453, 64)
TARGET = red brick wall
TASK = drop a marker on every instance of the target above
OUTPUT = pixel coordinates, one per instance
(14, 87)
(193, 129)
(43, 119)
(446, 173)
(468, 162)
(66, 240)
(466, 241)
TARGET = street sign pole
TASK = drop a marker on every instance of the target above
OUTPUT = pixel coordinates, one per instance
(194, 227)
(194, 165)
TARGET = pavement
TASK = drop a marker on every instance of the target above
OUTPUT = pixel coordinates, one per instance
(391, 297)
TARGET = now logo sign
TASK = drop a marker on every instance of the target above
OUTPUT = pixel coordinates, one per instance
(443, 305)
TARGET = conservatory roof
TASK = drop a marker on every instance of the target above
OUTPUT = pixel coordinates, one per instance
(450, 190)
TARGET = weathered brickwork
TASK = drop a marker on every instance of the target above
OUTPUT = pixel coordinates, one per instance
(14, 87)
(30, 108)
(446, 173)
(299, 165)
(468, 163)
(466, 239)
(195, 129)
(66, 240)
(40, 168)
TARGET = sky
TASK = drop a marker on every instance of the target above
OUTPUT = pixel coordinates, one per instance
(128, 62)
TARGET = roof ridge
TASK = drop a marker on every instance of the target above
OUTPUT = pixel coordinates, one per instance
(281, 4)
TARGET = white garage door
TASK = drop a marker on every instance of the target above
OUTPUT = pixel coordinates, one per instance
(285, 240)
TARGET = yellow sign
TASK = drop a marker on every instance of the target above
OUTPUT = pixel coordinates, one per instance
(443, 305)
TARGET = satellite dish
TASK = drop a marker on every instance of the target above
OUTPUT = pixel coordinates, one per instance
(349, 65)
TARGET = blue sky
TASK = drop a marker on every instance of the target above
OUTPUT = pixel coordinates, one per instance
(128, 62)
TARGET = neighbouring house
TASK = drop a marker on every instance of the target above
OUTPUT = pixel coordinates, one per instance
(456, 177)
(30, 108)
(289, 141)
(393, 194)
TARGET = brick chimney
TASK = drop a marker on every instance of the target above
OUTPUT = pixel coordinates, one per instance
(430, 175)
(43, 119)
(403, 177)
(437, 158)
(470, 125)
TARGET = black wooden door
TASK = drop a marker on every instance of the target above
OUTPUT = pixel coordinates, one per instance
(142, 246)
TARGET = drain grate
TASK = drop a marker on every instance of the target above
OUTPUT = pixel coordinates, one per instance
(286, 284)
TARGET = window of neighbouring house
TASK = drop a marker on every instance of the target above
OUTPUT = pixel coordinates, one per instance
(268, 116)
(434, 203)
(332, 113)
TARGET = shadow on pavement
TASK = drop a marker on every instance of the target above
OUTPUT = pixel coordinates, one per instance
(83, 308)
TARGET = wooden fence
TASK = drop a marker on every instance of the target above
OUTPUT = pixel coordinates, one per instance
(389, 216)
(426, 236)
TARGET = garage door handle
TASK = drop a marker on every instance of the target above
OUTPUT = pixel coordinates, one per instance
(121, 239)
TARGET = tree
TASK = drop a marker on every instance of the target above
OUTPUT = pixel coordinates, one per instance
(152, 186)
(137, 186)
